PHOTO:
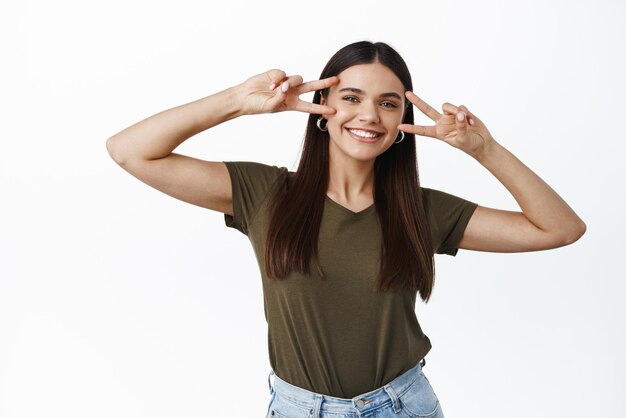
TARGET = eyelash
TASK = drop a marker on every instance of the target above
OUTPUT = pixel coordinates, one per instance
(348, 99)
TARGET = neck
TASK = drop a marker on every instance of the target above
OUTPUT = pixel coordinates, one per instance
(350, 180)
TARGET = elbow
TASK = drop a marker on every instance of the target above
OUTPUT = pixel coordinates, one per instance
(574, 233)
(582, 228)
(113, 151)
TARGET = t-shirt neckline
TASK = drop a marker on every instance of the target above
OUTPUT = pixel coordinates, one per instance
(348, 211)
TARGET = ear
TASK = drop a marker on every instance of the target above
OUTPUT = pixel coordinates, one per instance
(324, 96)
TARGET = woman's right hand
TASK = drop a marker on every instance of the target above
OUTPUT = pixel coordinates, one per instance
(272, 91)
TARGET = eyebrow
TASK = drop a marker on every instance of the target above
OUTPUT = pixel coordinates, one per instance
(359, 91)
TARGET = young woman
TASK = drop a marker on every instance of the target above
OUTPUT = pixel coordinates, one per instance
(347, 240)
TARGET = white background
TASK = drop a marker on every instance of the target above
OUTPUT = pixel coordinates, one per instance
(117, 300)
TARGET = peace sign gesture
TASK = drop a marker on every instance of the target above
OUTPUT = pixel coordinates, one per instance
(272, 91)
(457, 126)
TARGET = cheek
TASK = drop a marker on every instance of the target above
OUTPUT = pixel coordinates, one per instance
(397, 113)
(340, 117)
(394, 118)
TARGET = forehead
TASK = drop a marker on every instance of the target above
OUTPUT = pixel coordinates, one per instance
(372, 78)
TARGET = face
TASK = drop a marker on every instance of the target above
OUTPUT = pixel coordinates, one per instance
(370, 104)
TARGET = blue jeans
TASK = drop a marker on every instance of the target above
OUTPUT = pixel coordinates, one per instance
(408, 395)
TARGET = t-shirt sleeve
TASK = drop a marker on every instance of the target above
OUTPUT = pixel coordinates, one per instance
(448, 216)
(251, 183)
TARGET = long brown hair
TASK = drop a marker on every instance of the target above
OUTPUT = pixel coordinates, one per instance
(294, 223)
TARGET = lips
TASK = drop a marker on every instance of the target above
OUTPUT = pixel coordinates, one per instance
(364, 135)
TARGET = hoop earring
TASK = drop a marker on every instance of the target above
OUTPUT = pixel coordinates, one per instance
(401, 138)
(319, 124)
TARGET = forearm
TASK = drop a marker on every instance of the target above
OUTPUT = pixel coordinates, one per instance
(158, 135)
(538, 201)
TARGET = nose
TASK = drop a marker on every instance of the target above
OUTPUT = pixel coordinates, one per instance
(368, 112)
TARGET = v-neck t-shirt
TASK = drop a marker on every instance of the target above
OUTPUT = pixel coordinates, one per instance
(337, 336)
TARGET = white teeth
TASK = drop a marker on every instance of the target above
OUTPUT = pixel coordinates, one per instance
(363, 134)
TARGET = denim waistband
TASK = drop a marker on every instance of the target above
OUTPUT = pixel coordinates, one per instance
(318, 403)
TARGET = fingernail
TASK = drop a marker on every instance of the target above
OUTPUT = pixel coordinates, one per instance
(471, 121)
(460, 116)
(272, 86)
(285, 86)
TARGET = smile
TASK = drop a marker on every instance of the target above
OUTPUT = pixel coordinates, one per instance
(364, 136)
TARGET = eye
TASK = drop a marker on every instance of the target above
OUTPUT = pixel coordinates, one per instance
(351, 99)
(389, 105)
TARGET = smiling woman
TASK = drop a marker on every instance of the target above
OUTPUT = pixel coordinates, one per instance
(345, 243)
(369, 100)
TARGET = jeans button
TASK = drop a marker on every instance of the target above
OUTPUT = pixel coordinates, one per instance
(360, 403)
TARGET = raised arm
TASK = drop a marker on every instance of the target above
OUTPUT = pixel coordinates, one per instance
(546, 220)
(145, 148)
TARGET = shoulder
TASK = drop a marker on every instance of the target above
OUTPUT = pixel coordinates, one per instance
(435, 200)
(438, 200)
(253, 167)
(254, 174)
(448, 216)
(252, 183)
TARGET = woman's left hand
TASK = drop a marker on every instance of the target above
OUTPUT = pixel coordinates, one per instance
(469, 134)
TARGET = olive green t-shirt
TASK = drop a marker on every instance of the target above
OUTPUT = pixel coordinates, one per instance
(338, 336)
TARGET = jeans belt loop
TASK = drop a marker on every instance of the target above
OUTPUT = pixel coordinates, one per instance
(394, 398)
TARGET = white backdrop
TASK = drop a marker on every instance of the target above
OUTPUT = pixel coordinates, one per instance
(117, 300)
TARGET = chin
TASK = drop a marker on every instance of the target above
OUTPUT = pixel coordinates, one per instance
(364, 155)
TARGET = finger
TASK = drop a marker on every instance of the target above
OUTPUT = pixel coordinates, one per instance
(280, 94)
(318, 84)
(424, 107)
(292, 81)
(287, 83)
(284, 84)
(314, 108)
(471, 118)
(277, 101)
(461, 123)
(418, 130)
(275, 76)
(450, 109)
